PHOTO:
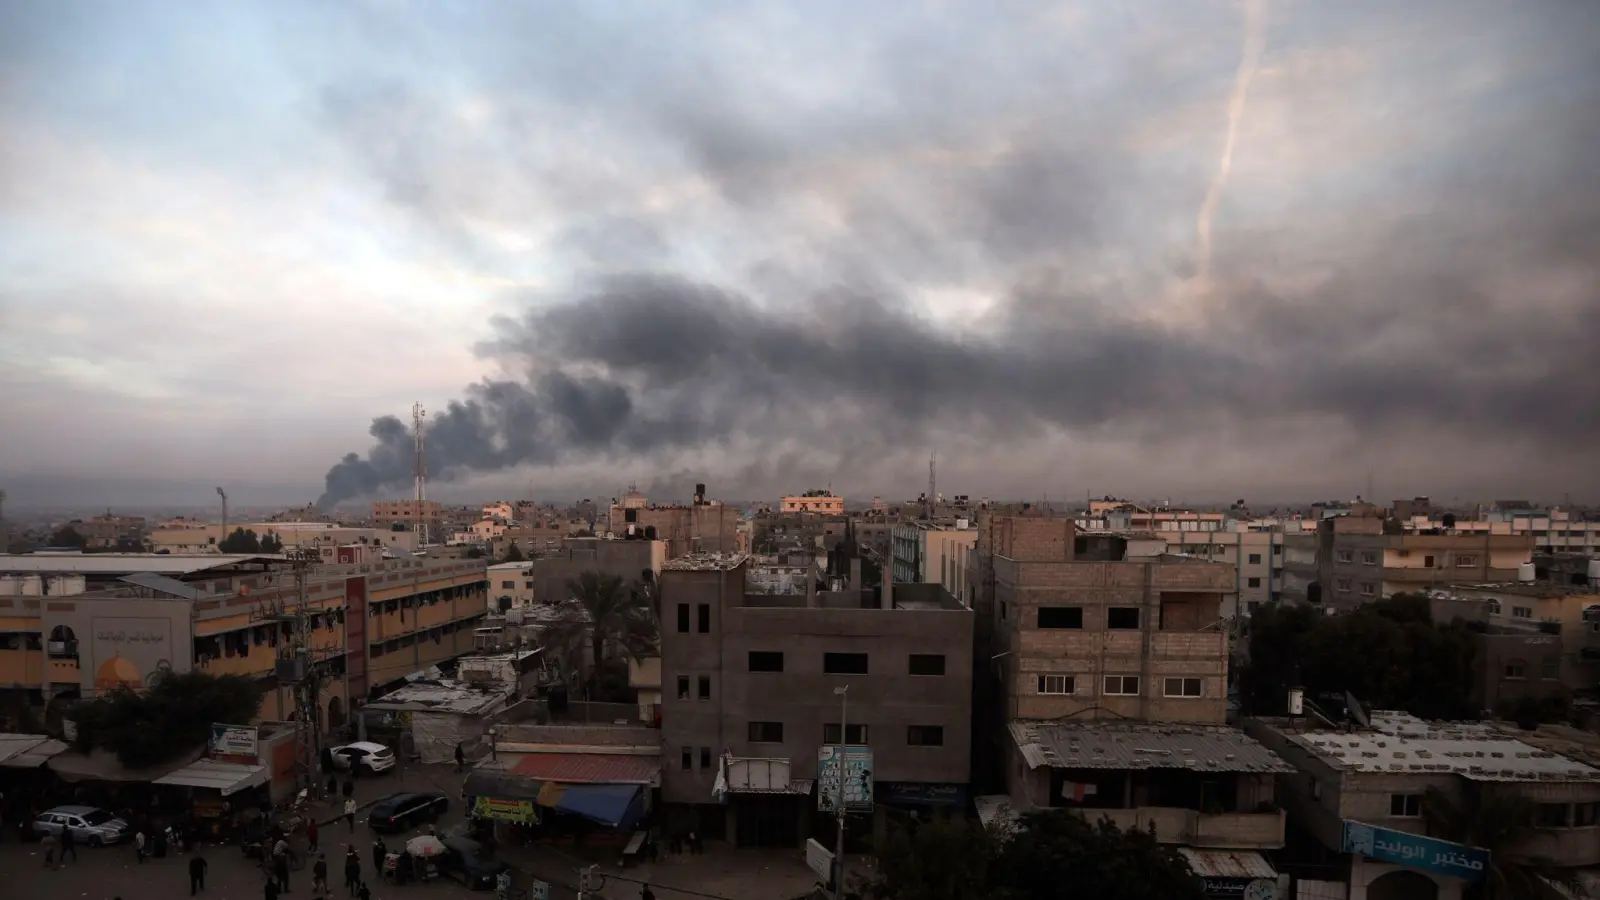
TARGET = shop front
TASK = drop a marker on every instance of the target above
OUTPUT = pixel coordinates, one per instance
(563, 798)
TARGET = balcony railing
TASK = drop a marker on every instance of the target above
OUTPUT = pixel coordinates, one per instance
(1175, 825)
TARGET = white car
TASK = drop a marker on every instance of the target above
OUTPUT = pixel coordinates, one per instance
(365, 754)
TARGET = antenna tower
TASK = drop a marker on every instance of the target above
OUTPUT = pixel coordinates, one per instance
(418, 415)
(931, 506)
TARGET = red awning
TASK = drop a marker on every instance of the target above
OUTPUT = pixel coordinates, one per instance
(590, 768)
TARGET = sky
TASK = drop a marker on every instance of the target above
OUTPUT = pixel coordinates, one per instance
(1175, 249)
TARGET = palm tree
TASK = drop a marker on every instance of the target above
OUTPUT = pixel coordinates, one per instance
(1500, 822)
(608, 610)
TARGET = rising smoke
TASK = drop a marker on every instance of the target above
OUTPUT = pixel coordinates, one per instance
(1249, 62)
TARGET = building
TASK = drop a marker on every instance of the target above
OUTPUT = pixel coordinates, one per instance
(1535, 639)
(428, 719)
(408, 512)
(195, 538)
(504, 511)
(935, 553)
(754, 685)
(109, 530)
(75, 625)
(1552, 530)
(1356, 783)
(1255, 555)
(707, 527)
(510, 586)
(823, 502)
(628, 560)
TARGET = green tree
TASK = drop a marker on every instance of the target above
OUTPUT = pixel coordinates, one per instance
(67, 536)
(513, 553)
(474, 553)
(606, 609)
(172, 716)
(242, 540)
(1501, 822)
(271, 543)
(1050, 849)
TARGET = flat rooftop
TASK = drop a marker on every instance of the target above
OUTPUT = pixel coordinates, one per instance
(1399, 743)
(1137, 746)
(125, 563)
(705, 562)
(1539, 589)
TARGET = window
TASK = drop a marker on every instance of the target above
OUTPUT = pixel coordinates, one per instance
(508, 585)
(1346, 556)
(1369, 588)
(1551, 670)
(1255, 559)
(1550, 815)
(1516, 669)
(1522, 612)
(683, 687)
(925, 736)
(1343, 584)
(844, 664)
(1464, 560)
(1368, 558)
(683, 618)
(1427, 562)
(705, 687)
(1181, 687)
(1277, 549)
(927, 664)
(1405, 806)
(705, 757)
(1122, 617)
(705, 618)
(688, 759)
(1121, 686)
(766, 732)
(766, 660)
(1060, 617)
(1058, 684)
(1253, 582)
(854, 734)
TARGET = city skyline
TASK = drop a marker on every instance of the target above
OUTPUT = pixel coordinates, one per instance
(1188, 249)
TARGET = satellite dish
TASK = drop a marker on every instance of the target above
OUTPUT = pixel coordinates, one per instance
(1356, 711)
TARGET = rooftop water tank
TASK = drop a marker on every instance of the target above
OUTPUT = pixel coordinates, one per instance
(1525, 573)
(1594, 572)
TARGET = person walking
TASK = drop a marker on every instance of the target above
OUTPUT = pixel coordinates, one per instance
(461, 757)
(197, 872)
(319, 876)
(69, 844)
(362, 893)
(280, 869)
(380, 851)
(138, 846)
(646, 894)
(350, 813)
(49, 841)
(311, 834)
(349, 789)
(352, 871)
(272, 892)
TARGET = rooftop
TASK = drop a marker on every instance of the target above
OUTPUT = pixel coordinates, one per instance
(124, 563)
(1541, 589)
(1401, 743)
(1137, 746)
(705, 562)
(441, 696)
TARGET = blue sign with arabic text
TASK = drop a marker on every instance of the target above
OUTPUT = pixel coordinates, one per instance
(1414, 851)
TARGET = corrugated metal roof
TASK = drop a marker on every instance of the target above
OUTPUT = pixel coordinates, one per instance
(229, 778)
(1136, 746)
(1227, 863)
(165, 585)
(122, 563)
(589, 768)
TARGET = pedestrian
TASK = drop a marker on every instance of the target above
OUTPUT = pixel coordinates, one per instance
(272, 891)
(350, 813)
(280, 870)
(197, 872)
(380, 851)
(362, 893)
(352, 871)
(69, 844)
(49, 842)
(319, 875)
(695, 847)
(332, 790)
(461, 757)
(311, 834)
(138, 846)
(646, 894)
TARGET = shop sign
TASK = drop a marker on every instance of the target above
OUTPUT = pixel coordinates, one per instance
(1413, 851)
(844, 776)
(235, 740)
(495, 809)
(922, 793)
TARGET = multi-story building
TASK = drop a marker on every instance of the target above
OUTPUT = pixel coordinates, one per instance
(408, 512)
(77, 625)
(1552, 530)
(707, 527)
(629, 560)
(754, 685)
(935, 553)
(204, 538)
(503, 511)
(1358, 783)
(511, 585)
(1257, 557)
(1357, 562)
(819, 501)
(109, 530)
(1535, 639)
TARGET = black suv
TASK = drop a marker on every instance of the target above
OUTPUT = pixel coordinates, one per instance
(403, 812)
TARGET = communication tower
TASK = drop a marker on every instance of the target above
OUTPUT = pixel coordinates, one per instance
(418, 416)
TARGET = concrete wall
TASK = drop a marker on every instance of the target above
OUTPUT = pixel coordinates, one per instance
(122, 641)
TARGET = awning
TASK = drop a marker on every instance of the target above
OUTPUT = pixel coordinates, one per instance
(35, 756)
(590, 768)
(797, 786)
(1242, 864)
(616, 805)
(228, 778)
(14, 745)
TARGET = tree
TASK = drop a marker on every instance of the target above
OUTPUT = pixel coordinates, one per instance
(67, 536)
(172, 716)
(271, 543)
(241, 541)
(607, 609)
(1048, 850)
(513, 553)
(1501, 822)
(474, 552)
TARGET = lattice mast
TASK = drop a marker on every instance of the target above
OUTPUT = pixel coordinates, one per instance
(420, 466)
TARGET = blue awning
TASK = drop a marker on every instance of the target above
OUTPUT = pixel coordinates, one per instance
(616, 805)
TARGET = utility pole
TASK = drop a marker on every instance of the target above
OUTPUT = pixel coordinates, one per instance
(418, 415)
(223, 494)
(844, 741)
(298, 665)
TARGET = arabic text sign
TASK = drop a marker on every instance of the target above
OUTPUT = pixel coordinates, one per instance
(499, 810)
(1415, 851)
(234, 740)
(847, 770)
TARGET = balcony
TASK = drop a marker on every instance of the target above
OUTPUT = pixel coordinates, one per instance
(1222, 831)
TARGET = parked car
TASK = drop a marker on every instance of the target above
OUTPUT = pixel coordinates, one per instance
(403, 812)
(468, 861)
(90, 825)
(372, 757)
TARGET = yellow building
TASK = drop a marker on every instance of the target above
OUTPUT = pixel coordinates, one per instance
(77, 625)
(824, 502)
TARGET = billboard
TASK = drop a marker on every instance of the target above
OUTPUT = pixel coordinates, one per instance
(844, 777)
(130, 651)
(235, 740)
(1402, 848)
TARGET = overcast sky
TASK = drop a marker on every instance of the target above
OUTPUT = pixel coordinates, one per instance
(775, 245)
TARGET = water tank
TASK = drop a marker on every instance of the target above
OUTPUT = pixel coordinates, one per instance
(962, 524)
(68, 585)
(30, 586)
(1594, 571)
(1525, 573)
